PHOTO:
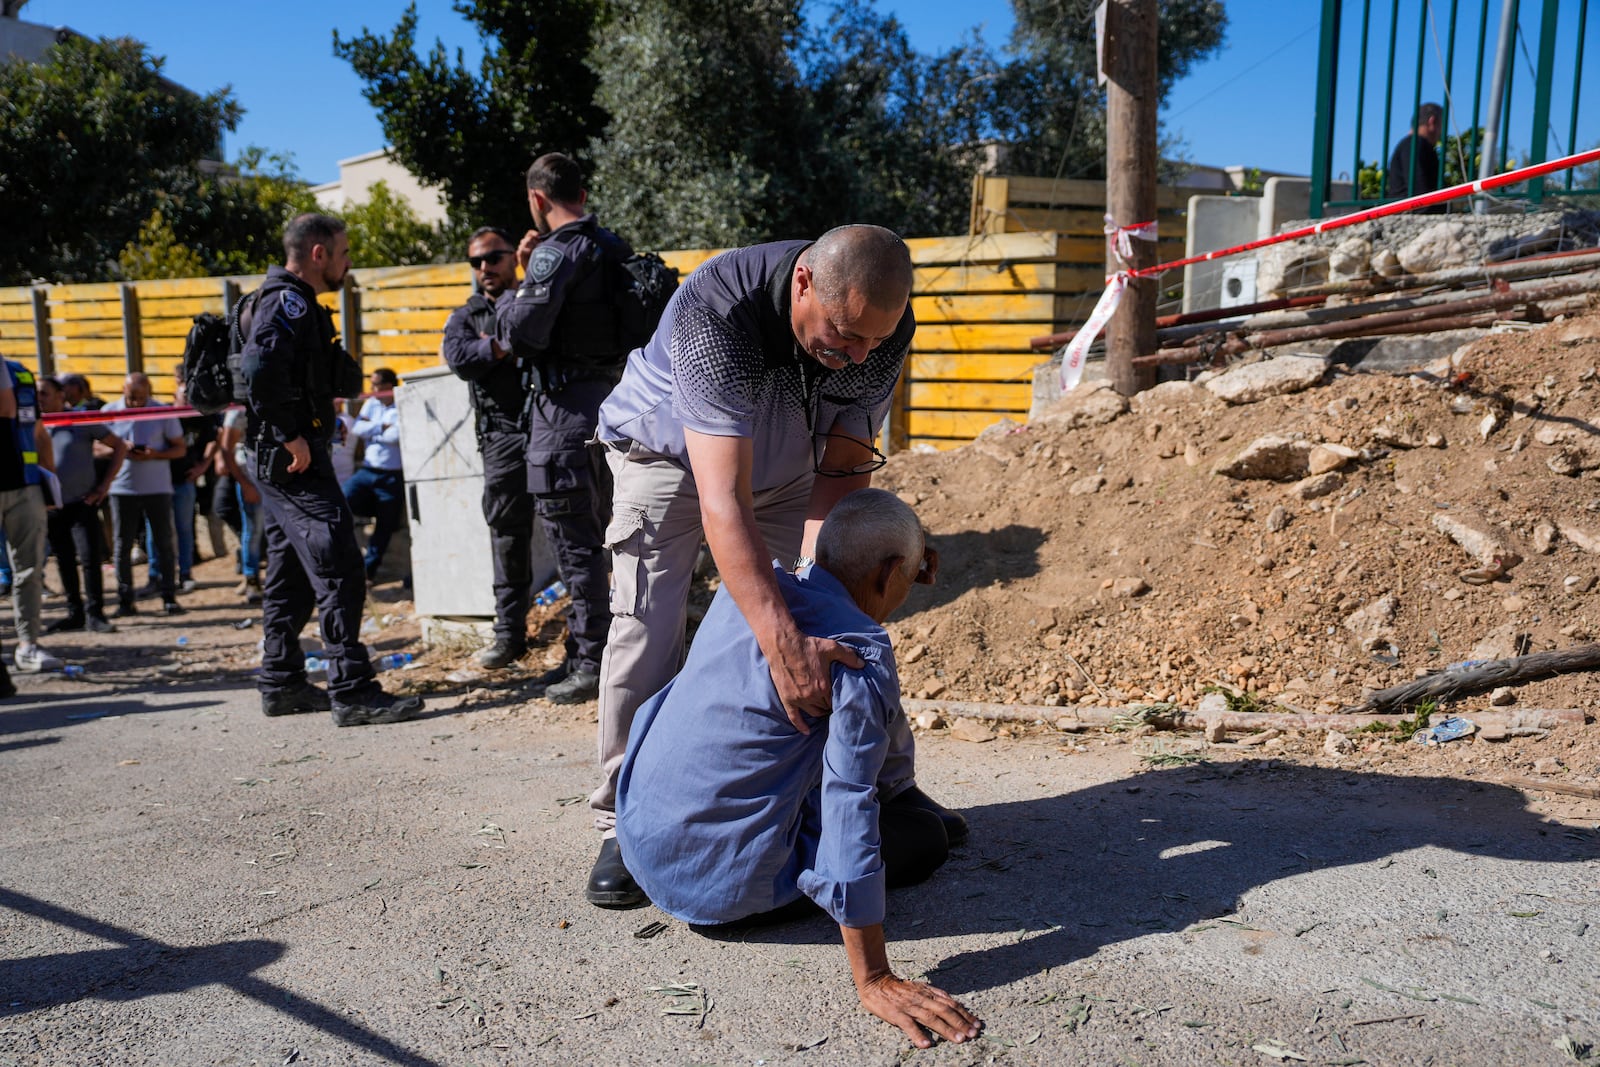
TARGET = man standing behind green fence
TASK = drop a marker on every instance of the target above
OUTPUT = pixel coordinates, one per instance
(1400, 180)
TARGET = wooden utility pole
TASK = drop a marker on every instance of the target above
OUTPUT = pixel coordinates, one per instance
(1131, 104)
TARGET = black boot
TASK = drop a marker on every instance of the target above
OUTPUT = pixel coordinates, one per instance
(295, 700)
(503, 653)
(955, 825)
(7, 689)
(610, 884)
(75, 620)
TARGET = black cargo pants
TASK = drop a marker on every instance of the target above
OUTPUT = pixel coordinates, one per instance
(571, 486)
(508, 509)
(312, 561)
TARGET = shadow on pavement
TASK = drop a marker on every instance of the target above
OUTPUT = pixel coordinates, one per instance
(143, 967)
(55, 711)
(1163, 850)
(31, 742)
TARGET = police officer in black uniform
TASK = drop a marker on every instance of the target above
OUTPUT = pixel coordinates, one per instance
(499, 399)
(294, 367)
(561, 325)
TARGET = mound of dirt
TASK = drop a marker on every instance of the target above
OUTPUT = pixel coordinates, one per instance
(1305, 547)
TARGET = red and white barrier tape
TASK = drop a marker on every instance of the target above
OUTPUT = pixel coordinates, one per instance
(89, 418)
(1121, 237)
(1117, 284)
(1077, 350)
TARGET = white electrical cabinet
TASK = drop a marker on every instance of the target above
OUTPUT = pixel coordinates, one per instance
(451, 566)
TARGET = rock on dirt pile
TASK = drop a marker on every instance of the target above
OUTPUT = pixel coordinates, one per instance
(1303, 545)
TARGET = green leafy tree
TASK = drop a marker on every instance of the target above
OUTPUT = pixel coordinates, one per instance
(385, 232)
(473, 133)
(157, 253)
(1369, 183)
(902, 133)
(730, 121)
(93, 140)
(234, 217)
(1047, 102)
(709, 143)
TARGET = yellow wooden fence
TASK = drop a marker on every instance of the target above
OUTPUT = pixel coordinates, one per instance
(978, 300)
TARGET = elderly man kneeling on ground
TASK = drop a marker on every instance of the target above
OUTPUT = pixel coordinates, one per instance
(727, 814)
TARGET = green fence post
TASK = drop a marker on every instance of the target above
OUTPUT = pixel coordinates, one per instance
(1361, 96)
(1577, 80)
(1384, 149)
(1327, 81)
(1449, 94)
(1477, 95)
(1416, 103)
(1543, 77)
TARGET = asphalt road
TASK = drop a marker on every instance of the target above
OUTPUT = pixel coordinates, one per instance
(183, 881)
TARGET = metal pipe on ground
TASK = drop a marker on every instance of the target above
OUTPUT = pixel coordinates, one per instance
(1531, 314)
(1520, 269)
(1166, 323)
(1076, 717)
(1196, 335)
(1196, 331)
(1358, 327)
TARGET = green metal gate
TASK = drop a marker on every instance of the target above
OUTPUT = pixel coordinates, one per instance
(1463, 35)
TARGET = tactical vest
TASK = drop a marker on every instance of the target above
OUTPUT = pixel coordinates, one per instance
(584, 340)
(26, 389)
(498, 397)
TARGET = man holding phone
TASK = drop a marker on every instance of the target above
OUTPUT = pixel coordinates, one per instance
(142, 492)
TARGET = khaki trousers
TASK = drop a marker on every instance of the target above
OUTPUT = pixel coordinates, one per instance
(654, 538)
(23, 517)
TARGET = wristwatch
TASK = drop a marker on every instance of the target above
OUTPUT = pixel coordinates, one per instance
(802, 562)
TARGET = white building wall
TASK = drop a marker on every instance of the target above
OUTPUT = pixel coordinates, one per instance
(358, 174)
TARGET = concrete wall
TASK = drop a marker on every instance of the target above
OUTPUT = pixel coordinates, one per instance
(359, 173)
(1215, 222)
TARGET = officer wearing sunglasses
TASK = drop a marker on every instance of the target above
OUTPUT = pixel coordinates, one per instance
(561, 328)
(494, 384)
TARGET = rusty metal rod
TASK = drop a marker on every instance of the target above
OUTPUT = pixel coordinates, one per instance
(1361, 326)
(1530, 267)
(1197, 335)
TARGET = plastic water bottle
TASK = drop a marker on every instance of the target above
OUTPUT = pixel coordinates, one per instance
(551, 593)
(315, 663)
(183, 641)
(72, 671)
(393, 660)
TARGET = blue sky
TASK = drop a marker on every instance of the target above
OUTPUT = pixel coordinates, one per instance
(1252, 104)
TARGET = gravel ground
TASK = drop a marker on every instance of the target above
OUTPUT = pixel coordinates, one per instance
(188, 882)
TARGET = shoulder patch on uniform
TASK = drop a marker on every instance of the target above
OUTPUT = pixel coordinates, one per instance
(294, 305)
(544, 263)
